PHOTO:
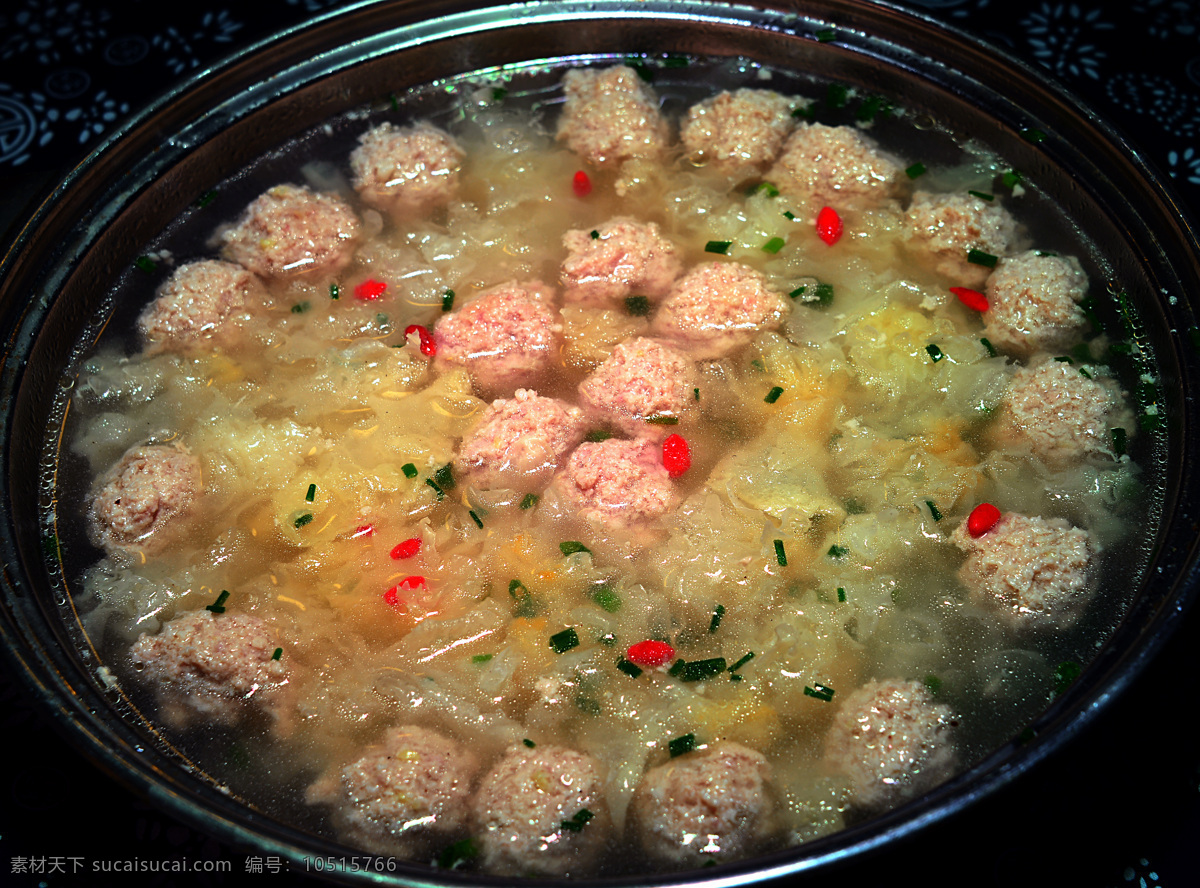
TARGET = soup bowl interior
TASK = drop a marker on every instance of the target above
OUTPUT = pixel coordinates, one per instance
(59, 276)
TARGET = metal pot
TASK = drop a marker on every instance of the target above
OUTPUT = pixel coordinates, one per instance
(54, 292)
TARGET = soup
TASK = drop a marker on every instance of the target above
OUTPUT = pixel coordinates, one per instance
(589, 465)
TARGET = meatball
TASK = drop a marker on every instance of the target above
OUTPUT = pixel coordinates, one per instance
(290, 230)
(195, 301)
(149, 491)
(1035, 571)
(718, 307)
(505, 337)
(704, 806)
(945, 227)
(209, 665)
(641, 387)
(824, 165)
(413, 788)
(1033, 303)
(523, 803)
(406, 170)
(621, 484)
(1062, 415)
(610, 115)
(892, 741)
(742, 130)
(623, 257)
(520, 442)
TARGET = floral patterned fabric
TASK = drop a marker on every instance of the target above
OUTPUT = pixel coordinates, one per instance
(1119, 807)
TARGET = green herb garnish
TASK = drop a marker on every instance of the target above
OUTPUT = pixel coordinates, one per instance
(935, 353)
(481, 658)
(145, 264)
(872, 107)
(641, 69)
(605, 596)
(409, 470)
(1064, 674)
(474, 517)
(766, 188)
(637, 306)
(529, 743)
(773, 394)
(721, 247)
(444, 477)
(598, 435)
(436, 489)
(824, 294)
(218, 606)
(1119, 439)
(595, 234)
(571, 547)
(578, 821)
(932, 683)
(774, 245)
(982, 195)
(819, 691)
(742, 662)
(662, 419)
(302, 520)
(530, 500)
(979, 257)
(448, 300)
(681, 745)
(825, 35)
(780, 554)
(459, 853)
(917, 169)
(835, 95)
(499, 94)
(841, 593)
(277, 653)
(933, 510)
(805, 112)
(991, 349)
(301, 307)
(630, 669)
(836, 551)
(311, 494)
(715, 623)
(561, 642)
(1011, 179)
(700, 670)
(335, 292)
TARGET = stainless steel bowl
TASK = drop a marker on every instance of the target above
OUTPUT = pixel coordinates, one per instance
(54, 292)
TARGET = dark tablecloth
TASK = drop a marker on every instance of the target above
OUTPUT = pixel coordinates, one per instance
(1119, 807)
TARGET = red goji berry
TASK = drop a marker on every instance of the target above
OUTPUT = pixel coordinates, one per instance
(581, 184)
(982, 519)
(677, 456)
(370, 289)
(829, 225)
(428, 343)
(406, 549)
(970, 298)
(650, 654)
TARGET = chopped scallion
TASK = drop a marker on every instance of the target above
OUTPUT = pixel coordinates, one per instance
(872, 107)
(499, 94)
(409, 470)
(836, 551)
(681, 745)
(595, 234)
(301, 307)
(561, 642)
(662, 419)
(630, 669)
(448, 300)
(605, 596)
(277, 654)
(696, 392)
(773, 394)
(474, 517)
(335, 292)
(933, 510)
(715, 623)
(700, 670)
(841, 593)
(677, 667)
(835, 95)
(780, 554)
(436, 489)
(145, 264)
(766, 188)
(530, 500)
(205, 199)
(1064, 674)
(481, 658)
(571, 547)
(218, 606)
(529, 743)
(819, 691)
(991, 349)
(721, 247)
(742, 662)
(674, 61)
(935, 353)
(458, 854)
(982, 195)
(774, 245)
(1011, 178)
(302, 520)
(444, 477)
(578, 821)
(598, 435)
(1033, 135)
(917, 169)
(637, 306)
(312, 493)
(789, 215)
(807, 112)
(932, 683)
(979, 257)
(824, 294)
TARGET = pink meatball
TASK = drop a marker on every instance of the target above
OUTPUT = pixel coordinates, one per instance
(943, 228)
(623, 257)
(406, 170)
(523, 803)
(211, 665)
(620, 484)
(710, 805)
(834, 165)
(195, 301)
(644, 387)
(290, 230)
(139, 501)
(610, 115)
(1063, 416)
(741, 131)
(409, 791)
(718, 307)
(1033, 303)
(892, 741)
(505, 337)
(520, 442)
(1033, 571)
